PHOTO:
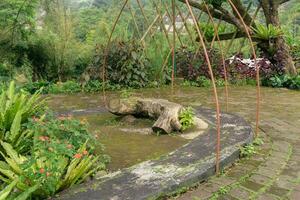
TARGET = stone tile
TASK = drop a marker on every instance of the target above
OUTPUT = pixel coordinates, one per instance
(252, 185)
(273, 164)
(261, 179)
(281, 146)
(237, 173)
(279, 155)
(285, 182)
(240, 193)
(223, 181)
(266, 172)
(267, 197)
(295, 195)
(196, 194)
(210, 187)
(226, 197)
(277, 191)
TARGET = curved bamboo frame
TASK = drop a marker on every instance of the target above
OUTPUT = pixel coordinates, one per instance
(218, 117)
(258, 92)
(203, 43)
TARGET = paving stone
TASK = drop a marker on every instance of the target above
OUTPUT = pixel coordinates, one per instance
(240, 193)
(211, 187)
(252, 185)
(278, 191)
(295, 195)
(285, 182)
(237, 173)
(267, 197)
(223, 181)
(261, 179)
(279, 155)
(266, 172)
(226, 197)
(196, 194)
(273, 164)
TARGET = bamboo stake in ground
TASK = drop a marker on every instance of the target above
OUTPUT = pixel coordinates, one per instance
(218, 124)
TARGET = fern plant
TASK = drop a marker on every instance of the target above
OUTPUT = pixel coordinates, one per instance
(186, 118)
(15, 110)
(269, 32)
(39, 176)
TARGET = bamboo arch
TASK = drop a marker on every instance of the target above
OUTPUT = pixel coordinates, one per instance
(202, 44)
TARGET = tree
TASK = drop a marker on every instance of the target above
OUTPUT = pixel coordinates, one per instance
(222, 10)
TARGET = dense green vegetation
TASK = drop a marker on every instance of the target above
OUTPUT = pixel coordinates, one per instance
(40, 153)
(60, 45)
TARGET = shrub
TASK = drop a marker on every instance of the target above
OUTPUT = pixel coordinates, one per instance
(291, 82)
(42, 154)
(16, 108)
(191, 65)
(33, 87)
(93, 86)
(186, 118)
(239, 70)
(126, 64)
(69, 87)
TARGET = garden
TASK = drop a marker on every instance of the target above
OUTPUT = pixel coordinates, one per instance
(136, 99)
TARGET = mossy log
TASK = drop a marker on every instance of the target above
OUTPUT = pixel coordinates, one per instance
(165, 112)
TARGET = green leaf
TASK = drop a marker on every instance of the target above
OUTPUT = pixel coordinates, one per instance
(4, 193)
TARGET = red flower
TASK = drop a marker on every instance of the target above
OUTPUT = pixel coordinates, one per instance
(78, 155)
(42, 170)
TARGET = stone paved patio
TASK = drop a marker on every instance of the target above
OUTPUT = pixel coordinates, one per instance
(272, 173)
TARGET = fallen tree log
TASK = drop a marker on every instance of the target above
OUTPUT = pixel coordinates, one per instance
(165, 112)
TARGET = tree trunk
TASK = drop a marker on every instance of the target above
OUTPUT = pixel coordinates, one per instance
(165, 112)
(280, 55)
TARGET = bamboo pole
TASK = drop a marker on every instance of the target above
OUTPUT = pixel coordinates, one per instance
(107, 49)
(216, 35)
(218, 124)
(258, 92)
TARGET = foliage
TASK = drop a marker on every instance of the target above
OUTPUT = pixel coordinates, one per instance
(239, 70)
(68, 87)
(251, 149)
(191, 65)
(248, 150)
(269, 32)
(126, 64)
(186, 118)
(291, 82)
(209, 30)
(15, 110)
(92, 86)
(125, 94)
(40, 153)
(157, 51)
(33, 87)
